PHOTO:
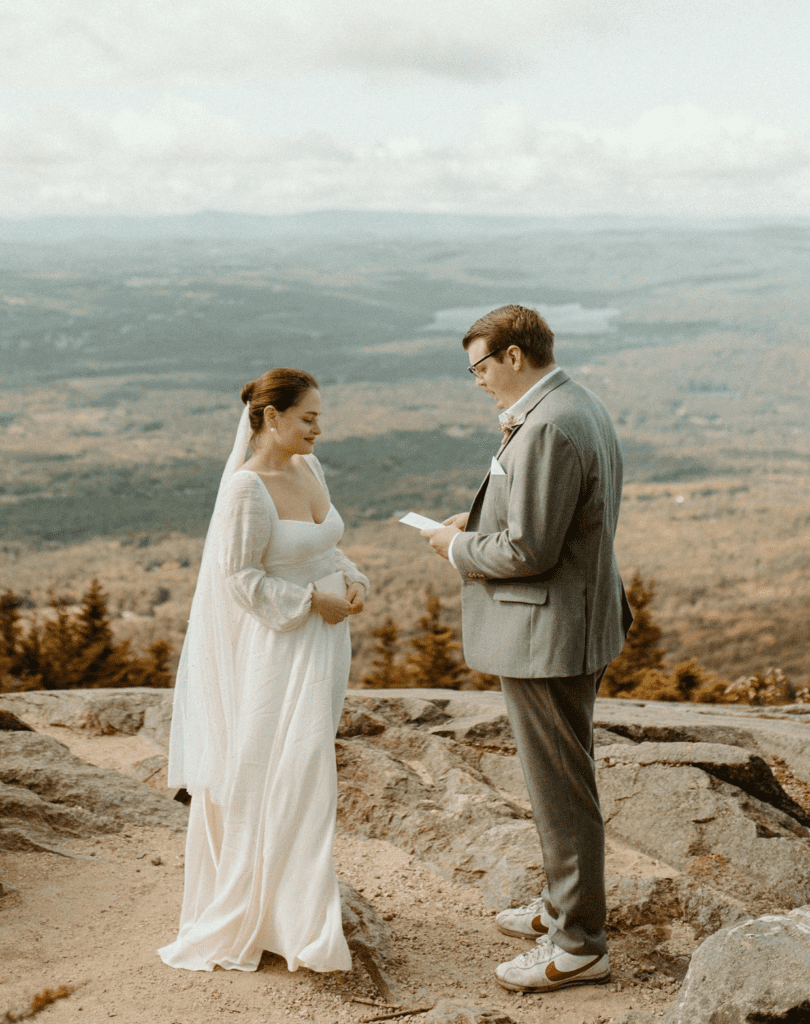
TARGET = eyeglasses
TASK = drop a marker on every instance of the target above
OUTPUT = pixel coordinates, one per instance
(494, 352)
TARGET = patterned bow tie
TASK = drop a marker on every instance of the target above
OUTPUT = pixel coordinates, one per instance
(509, 424)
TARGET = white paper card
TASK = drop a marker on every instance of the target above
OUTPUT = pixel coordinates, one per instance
(420, 522)
(496, 469)
(335, 583)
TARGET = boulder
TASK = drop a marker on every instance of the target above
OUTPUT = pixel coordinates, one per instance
(777, 731)
(708, 828)
(740, 767)
(418, 791)
(47, 794)
(756, 971)
(101, 712)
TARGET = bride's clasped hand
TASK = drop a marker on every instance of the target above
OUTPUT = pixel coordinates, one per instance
(333, 609)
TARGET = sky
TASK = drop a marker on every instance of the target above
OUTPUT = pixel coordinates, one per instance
(543, 107)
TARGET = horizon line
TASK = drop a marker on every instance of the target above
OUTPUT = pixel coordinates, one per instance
(437, 214)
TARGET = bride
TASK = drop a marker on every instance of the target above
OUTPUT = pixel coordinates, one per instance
(259, 691)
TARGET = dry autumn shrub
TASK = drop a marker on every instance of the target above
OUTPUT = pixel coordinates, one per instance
(763, 688)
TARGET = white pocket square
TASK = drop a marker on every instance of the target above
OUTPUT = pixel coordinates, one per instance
(496, 469)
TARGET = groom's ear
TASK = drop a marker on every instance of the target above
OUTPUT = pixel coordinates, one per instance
(516, 356)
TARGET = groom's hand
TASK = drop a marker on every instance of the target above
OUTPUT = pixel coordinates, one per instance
(440, 538)
(459, 520)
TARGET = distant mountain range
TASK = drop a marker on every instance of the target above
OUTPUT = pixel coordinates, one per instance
(213, 224)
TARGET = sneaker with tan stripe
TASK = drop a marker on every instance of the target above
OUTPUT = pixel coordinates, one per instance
(548, 967)
(530, 921)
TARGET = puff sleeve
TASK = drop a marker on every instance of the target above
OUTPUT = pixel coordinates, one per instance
(245, 533)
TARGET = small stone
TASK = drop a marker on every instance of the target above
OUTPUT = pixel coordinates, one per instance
(157, 861)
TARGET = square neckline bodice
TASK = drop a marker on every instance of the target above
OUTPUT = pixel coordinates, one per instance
(303, 522)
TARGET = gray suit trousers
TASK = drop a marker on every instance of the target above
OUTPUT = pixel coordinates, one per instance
(552, 720)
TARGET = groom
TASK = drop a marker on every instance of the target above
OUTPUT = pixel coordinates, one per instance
(543, 607)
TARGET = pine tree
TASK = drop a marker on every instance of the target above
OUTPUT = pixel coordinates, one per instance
(93, 620)
(157, 665)
(10, 630)
(434, 662)
(385, 672)
(101, 660)
(641, 654)
(30, 658)
(10, 636)
(60, 667)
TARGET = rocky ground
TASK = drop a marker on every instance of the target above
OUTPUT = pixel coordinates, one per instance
(708, 862)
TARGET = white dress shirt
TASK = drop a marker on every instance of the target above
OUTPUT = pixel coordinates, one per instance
(516, 415)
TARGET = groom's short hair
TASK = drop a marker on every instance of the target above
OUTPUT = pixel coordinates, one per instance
(514, 325)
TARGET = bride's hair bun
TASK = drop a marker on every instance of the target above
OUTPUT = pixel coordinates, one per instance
(282, 388)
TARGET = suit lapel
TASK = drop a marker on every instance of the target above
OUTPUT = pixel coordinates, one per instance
(479, 497)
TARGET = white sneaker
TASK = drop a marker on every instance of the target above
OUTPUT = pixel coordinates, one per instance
(528, 922)
(548, 967)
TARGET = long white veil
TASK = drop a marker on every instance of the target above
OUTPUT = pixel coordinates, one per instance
(200, 755)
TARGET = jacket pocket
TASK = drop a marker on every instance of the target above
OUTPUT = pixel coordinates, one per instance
(521, 595)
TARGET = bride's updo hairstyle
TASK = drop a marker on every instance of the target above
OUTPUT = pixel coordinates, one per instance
(281, 388)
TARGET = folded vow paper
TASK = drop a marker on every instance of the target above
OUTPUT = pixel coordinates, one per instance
(420, 522)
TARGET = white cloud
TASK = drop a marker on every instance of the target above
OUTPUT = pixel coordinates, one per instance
(179, 156)
(129, 43)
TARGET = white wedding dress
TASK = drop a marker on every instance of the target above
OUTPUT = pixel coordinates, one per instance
(259, 872)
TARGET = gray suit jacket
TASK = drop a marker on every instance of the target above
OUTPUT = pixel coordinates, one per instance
(542, 595)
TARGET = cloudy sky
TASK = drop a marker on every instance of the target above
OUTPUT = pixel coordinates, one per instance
(695, 107)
